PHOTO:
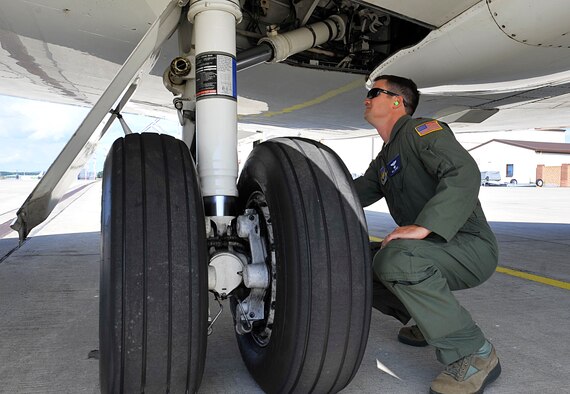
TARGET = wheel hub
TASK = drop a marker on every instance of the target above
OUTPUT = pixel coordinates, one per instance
(255, 312)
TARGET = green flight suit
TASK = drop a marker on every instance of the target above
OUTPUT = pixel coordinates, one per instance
(430, 180)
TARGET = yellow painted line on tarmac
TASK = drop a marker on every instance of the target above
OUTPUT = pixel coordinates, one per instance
(375, 239)
(535, 278)
(317, 100)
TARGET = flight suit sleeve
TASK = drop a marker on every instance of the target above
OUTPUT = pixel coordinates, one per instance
(457, 182)
(368, 185)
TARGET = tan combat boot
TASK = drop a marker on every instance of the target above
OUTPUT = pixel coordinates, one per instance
(470, 374)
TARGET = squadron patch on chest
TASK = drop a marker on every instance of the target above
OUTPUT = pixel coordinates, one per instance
(394, 166)
(428, 127)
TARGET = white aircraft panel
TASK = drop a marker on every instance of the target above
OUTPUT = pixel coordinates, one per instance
(540, 23)
(438, 13)
(473, 51)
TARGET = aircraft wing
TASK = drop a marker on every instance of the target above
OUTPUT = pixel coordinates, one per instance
(480, 64)
(480, 54)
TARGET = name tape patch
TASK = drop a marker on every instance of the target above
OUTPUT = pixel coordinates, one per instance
(394, 166)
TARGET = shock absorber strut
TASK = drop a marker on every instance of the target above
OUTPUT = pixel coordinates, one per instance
(216, 102)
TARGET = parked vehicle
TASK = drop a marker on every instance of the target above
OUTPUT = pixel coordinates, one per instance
(491, 178)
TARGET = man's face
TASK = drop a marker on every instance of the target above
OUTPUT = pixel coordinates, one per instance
(379, 107)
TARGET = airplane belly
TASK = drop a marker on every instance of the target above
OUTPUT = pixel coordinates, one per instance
(69, 53)
(477, 52)
(541, 24)
(105, 29)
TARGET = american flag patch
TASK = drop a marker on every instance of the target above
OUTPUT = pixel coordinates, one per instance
(428, 127)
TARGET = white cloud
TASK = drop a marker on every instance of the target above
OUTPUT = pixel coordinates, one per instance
(33, 133)
(40, 121)
(10, 158)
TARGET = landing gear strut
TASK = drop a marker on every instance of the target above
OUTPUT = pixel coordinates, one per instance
(287, 244)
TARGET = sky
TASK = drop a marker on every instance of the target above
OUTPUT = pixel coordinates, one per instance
(33, 133)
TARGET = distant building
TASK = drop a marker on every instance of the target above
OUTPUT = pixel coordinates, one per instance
(86, 174)
(545, 163)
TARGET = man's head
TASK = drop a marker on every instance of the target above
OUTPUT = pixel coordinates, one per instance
(404, 87)
(390, 98)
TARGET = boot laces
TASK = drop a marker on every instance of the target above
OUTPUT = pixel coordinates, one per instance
(458, 369)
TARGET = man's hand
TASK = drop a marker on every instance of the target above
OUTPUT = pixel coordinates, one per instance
(406, 232)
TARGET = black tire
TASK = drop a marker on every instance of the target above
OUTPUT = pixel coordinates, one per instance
(153, 291)
(514, 181)
(539, 182)
(323, 283)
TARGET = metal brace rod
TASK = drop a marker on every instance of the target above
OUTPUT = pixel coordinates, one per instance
(82, 144)
(126, 129)
(116, 113)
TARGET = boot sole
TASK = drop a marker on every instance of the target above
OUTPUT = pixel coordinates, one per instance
(493, 375)
(411, 342)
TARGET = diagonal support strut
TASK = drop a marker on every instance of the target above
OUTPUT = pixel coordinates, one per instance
(82, 144)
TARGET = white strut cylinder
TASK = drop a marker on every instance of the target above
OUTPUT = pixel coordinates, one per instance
(295, 41)
(216, 94)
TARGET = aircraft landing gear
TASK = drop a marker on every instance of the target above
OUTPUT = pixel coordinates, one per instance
(154, 297)
(288, 244)
(318, 304)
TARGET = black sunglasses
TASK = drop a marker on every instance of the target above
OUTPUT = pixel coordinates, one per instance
(375, 92)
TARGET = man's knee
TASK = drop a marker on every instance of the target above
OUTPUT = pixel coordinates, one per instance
(404, 261)
(393, 262)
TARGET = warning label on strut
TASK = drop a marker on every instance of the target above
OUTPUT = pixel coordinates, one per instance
(215, 75)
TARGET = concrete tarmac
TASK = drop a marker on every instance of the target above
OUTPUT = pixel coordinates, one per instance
(49, 304)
